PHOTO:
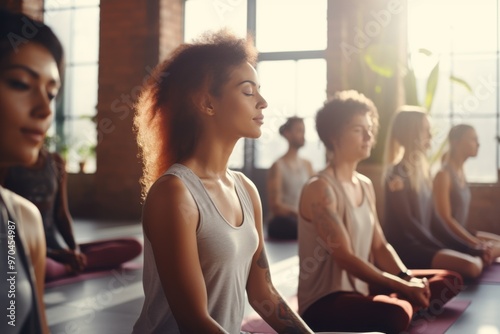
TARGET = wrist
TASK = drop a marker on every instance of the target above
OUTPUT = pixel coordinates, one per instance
(405, 275)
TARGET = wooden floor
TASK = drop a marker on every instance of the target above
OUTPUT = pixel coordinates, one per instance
(110, 304)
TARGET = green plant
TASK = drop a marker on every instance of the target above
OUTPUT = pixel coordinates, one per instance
(377, 74)
(85, 151)
(412, 96)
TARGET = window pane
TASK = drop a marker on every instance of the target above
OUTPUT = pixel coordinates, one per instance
(80, 135)
(60, 22)
(311, 85)
(82, 3)
(278, 87)
(85, 35)
(237, 158)
(291, 25)
(452, 25)
(473, 24)
(58, 4)
(203, 15)
(483, 167)
(84, 86)
(480, 73)
(313, 150)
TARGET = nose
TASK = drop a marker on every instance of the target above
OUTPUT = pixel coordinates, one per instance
(42, 107)
(262, 103)
(367, 135)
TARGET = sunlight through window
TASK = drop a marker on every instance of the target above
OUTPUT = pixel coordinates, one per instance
(463, 40)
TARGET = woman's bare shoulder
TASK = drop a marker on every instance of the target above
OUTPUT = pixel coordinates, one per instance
(24, 208)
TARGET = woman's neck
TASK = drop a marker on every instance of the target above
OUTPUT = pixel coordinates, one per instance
(343, 170)
(210, 159)
(456, 161)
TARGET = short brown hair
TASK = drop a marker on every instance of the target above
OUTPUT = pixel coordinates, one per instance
(338, 111)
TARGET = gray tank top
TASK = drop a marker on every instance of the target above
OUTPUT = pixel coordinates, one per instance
(460, 197)
(225, 253)
(18, 299)
(293, 181)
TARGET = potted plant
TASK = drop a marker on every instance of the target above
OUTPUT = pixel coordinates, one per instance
(85, 152)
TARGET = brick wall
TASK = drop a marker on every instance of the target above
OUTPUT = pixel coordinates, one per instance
(485, 208)
(130, 39)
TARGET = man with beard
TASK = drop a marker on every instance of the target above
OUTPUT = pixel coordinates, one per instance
(286, 178)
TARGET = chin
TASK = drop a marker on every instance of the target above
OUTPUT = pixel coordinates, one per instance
(28, 157)
(254, 135)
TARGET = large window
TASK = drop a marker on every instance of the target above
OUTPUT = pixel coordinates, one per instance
(76, 23)
(464, 37)
(291, 36)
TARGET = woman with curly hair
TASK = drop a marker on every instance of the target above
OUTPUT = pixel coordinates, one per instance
(202, 221)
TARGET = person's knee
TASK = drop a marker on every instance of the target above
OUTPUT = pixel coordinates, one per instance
(473, 268)
(398, 318)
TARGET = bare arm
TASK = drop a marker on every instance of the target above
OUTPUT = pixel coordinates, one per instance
(320, 207)
(262, 295)
(310, 168)
(62, 219)
(32, 234)
(441, 195)
(274, 190)
(170, 220)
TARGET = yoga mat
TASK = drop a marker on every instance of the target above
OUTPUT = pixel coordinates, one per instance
(90, 275)
(436, 323)
(255, 325)
(439, 322)
(490, 275)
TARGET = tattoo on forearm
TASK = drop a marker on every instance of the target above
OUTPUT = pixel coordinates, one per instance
(286, 315)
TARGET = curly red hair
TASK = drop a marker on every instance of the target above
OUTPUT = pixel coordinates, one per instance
(166, 122)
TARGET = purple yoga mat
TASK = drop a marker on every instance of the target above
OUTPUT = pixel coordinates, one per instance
(490, 275)
(255, 325)
(91, 275)
(441, 320)
(436, 323)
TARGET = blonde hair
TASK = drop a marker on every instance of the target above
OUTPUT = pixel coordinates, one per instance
(402, 145)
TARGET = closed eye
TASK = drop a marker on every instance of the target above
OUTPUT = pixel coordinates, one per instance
(16, 84)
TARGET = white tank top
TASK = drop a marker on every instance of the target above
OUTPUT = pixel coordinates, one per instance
(225, 253)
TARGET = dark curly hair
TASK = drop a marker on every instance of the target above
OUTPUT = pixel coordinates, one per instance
(166, 120)
(339, 110)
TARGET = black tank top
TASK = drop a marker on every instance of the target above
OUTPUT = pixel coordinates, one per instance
(39, 186)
